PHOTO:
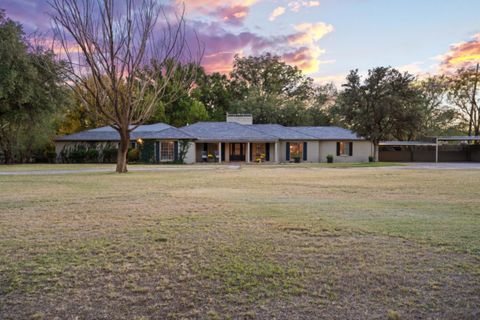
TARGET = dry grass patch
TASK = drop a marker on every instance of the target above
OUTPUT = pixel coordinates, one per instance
(260, 242)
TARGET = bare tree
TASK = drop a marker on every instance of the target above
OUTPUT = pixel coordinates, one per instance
(120, 56)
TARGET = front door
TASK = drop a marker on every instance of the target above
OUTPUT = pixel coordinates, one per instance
(237, 152)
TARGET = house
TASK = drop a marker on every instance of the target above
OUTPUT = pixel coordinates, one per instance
(161, 141)
(235, 140)
(242, 141)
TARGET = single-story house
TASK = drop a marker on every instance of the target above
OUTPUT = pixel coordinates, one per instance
(162, 141)
(236, 140)
(231, 141)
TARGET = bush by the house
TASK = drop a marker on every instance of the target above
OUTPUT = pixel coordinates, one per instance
(133, 155)
(330, 158)
(91, 153)
(371, 159)
(109, 154)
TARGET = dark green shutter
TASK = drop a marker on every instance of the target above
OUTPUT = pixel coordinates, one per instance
(251, 152)
(175, 151)
(287, 151)
(157, 151)
(304, 151)
(338, 148)
(205, 147)
(223, 152)
(351, 149)
(267, 151)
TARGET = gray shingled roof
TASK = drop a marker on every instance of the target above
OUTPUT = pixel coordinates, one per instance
(227, 131)
(152, 131)
(282, 132)
(328, 133)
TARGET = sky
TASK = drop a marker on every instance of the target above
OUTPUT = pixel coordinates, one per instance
(324, 38)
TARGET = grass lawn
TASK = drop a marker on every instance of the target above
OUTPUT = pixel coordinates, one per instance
(80, 166)
(261, 242)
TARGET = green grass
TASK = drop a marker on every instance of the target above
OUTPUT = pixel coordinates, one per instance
(259, 242)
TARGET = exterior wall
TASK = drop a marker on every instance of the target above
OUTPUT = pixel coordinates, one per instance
(190, 156)
(361, 151)
(313, 151)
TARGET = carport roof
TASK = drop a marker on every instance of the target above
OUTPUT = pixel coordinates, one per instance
(458, 138)
(406, 143)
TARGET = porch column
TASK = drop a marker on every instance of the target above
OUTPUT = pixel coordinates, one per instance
(436, 150)
(247, 156)
(219, 152)
(277, 152)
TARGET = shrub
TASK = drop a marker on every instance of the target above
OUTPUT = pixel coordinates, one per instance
(330, 158)
(371, 159)
(133, 155)
(109, 154)
(91, 155)
(77, 154)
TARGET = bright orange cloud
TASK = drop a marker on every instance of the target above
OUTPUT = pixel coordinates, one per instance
(462, 54)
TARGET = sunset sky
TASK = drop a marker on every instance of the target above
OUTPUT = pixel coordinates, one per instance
(325, 38)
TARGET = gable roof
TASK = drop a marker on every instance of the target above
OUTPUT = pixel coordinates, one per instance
(282, 132)
(151, 131)
(328, 133)
(227, 131)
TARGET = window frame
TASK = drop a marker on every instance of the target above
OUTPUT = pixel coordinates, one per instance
(167, 151)
(300, 150)
(345, 145)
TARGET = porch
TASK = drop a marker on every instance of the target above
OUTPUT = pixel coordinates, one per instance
(237, 152)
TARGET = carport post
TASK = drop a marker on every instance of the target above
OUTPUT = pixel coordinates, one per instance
(219, 152)
(277, 152)
(436, 150)
(247, 156)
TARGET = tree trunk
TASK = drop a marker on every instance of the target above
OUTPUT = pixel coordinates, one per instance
(7, 154)
(123, 150)
(375, 150)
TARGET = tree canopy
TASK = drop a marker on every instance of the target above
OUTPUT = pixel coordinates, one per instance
(384, 106)
(30, 93)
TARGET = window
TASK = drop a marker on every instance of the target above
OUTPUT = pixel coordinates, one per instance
(133, 144)
(166, 151)
(296, 150)
(344, 148)
(259, 149)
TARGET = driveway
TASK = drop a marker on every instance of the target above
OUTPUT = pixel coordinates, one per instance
(441, 165)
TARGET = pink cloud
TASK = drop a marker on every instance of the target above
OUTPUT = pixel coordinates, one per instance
(234, 15)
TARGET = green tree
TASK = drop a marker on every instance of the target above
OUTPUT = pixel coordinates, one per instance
(30, 94)
(385, 106)
(440, 117)
(464, 94)
(178, 105)
(214, 91)
(271, 90)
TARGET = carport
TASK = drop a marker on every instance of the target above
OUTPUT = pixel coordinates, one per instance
(437, 149)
